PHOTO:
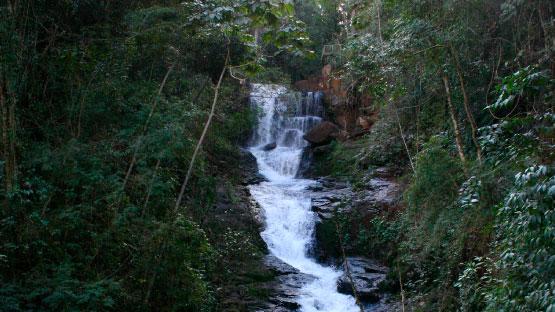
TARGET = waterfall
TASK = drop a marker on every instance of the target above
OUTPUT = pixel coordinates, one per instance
(283, 119)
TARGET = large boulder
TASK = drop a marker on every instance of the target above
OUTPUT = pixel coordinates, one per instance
(322, 133)
(366, 275)
(249, 168)
(285, 287)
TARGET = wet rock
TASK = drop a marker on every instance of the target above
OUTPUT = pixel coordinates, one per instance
(322, 133)
(366, 276)
(329, 196)
(379, 194)
(286, 286)
(279, 267)
(326, 244)
(269, 146)
(250, 174)
(383, 172)
(322, 150)
(305, 163)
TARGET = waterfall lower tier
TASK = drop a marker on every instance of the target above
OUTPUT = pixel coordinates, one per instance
(289, 221)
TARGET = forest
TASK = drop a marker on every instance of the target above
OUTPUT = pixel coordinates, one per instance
(277, 155)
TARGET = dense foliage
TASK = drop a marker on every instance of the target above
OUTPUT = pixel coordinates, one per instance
(465, 93)
(102, 103)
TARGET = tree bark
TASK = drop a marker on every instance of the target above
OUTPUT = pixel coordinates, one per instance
(466, 103)
(458, 138)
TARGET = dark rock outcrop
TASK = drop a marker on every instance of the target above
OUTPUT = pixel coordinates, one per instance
(381, 193)
(322, 133)
(286, 286)
(269, 146)
(305, 167)
(328, 196)
(250, 174)
(366, 275)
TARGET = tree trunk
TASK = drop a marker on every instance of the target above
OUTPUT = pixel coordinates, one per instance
(7, 108)
(202, 136)
(458, 138)
(145, 127)
(403, 138)
(8, 172)
(379, 8)
(347, 267)
(466, 103)
(12, 137)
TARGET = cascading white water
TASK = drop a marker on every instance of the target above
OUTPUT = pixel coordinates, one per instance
(284, 200)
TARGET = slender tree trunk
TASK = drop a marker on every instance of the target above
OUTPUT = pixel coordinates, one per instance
(402, 291)
(145, 206)
(12, 6)
(7, 108)
(403, 138)
(202, 136)
(145, 127)
(8, 170)
(379, 9)
(458, 138)
(466, 102)
(154, 274)
(12, 138)
(347, 267)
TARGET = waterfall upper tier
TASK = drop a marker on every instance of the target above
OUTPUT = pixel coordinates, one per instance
(283, 118)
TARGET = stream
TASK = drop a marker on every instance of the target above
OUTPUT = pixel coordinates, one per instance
(278, 144)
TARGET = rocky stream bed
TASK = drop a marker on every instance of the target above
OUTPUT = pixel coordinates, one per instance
(330, 196)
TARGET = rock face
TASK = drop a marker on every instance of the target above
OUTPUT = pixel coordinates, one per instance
(366, 275)
(351, 114)
(305, 164)
(323, 133)
(250, 174)
(382, 193)
(379, 192)
(285, 288)
(328, 196)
